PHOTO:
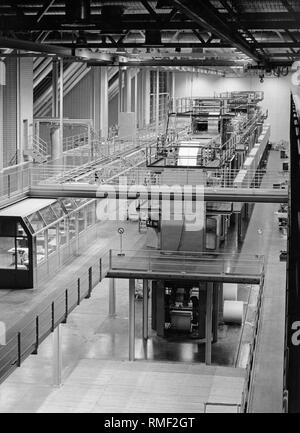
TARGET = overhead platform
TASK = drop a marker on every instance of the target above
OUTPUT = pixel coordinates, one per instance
(81, 190)
(161, 265)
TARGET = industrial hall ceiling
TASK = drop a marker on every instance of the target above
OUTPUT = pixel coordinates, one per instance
(221, 33)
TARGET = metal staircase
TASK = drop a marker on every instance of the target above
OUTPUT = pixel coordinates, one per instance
(38, 150)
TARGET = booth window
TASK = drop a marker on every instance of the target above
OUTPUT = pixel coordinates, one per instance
(81, 220)
(40, 247)
(36, 221)
(52, 241)
(48, 215)
(13, 246)
(90, 214)
(62, 227)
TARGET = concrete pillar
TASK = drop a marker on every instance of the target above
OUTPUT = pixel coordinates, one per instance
(127, 90)
(173, 91)
(55, 135)
(145, 309)
(157, 102)
(146, 90)
(120, 97)
(136, 97)
(202, 310)
(208, 323)
(215, 311)
(55, 99)
(55, 143)
(2, 84)
(25, 104)
(103, 102)
(112, 297)
(61, 106)
(100, 100)
(131, 326)
(57, 356)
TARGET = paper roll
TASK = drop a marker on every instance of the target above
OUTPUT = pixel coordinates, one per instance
(230, 292)
(233, 312)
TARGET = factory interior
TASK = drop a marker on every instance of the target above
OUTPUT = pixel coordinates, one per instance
(149, 206)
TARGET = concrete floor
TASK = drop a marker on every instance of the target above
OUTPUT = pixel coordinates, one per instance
(98, 378)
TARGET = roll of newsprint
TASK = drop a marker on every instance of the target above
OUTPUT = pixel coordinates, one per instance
(233, 312)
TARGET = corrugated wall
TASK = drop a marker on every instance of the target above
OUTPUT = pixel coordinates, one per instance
(78, 102)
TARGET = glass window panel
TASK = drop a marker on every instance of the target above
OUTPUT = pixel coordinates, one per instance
(22, 242)
(72, 226)
(52, 242)
(90, 214)
(40, 247)
(80, 201)
(69, 204)
(62, 227)
(36, 221)
(81, 220)
(59, 212)
(48, 215)
(7, 253)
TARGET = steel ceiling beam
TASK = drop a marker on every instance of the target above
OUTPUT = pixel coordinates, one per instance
(97, 22)
(172, 62)
(211, 45)
(205, 16)
(44, 10)
(19, 44)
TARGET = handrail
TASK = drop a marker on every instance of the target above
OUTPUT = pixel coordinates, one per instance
(28, 337)
(236, 405)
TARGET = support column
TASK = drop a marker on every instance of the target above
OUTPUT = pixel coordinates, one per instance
(208, 323)
(112, 297)
(55, 107)
(145, 309)
(202, 310)
(136, 97)
(104, 102)
(120, 98)
(127, 93)
(146, 96)
(173, 92)
(157, 103)
(215, 311)
(2, 84)
(61, 107)
(57, 356)
(55, 133)
(131, 319)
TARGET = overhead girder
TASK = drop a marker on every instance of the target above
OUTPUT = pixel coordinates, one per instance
(206, 16)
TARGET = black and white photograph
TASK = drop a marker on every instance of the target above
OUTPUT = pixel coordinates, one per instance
(150, 210)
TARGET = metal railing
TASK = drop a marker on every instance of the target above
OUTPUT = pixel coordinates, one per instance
(27, 337)
(222, 407)
(186, 263)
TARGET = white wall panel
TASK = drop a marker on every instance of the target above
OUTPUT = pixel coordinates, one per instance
(277, 95)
